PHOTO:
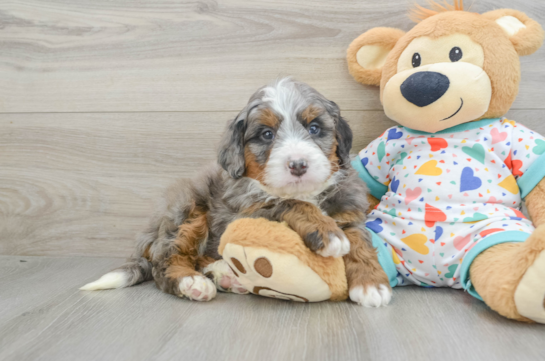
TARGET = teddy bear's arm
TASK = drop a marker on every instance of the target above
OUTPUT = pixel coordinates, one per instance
(535, 202)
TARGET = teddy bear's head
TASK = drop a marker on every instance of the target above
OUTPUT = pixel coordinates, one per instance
(453, 67)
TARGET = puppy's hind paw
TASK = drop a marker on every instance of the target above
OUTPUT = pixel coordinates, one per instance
(371, 296)
(337, 247)
(224, 278)
(197, 288)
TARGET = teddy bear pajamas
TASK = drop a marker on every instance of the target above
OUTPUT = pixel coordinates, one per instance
(448, 196)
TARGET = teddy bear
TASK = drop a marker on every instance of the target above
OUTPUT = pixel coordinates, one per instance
(447, 184)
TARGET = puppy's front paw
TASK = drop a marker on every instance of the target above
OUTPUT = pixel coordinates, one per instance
(197, 288)
(224, 278)
(327, 239)
(371, 296)
(337, 246)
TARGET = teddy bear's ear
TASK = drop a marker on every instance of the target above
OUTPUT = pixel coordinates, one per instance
(525, 34)
(367, 54)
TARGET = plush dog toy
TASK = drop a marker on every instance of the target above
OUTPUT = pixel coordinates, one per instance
(452, 176)
(270, 259)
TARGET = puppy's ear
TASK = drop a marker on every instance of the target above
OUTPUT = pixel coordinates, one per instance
(344, 142)
(231, 149)
(343, 134)
(525, 34)
(367, 54)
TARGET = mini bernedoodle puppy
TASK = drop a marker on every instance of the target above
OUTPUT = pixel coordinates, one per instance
(285, 157)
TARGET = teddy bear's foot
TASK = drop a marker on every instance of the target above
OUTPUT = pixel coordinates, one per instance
(371, 296)
(530, 292)
(197, 288)
(277, 275)
(224, 278)
(510, 278)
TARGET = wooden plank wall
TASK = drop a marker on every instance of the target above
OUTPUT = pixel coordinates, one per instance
(104, 102)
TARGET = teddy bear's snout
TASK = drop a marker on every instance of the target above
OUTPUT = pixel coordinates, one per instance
(424, 87)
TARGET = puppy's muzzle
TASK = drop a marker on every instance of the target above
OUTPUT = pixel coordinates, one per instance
(298, 167)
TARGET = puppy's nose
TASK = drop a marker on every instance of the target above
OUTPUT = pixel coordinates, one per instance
(424, 87)
(298, 167)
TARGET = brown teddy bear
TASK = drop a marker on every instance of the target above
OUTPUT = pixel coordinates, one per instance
(449, 181)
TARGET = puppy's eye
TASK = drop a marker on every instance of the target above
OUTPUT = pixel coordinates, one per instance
(314, 129)
(267, 135)
(455, 54)
(417, 60)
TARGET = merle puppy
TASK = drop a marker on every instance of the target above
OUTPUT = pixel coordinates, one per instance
(285, 157)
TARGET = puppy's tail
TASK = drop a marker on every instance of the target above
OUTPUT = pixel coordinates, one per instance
(136, 271)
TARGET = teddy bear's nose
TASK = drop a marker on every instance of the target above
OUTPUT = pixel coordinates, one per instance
(424, 87)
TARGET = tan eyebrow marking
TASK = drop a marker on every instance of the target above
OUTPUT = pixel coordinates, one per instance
(310, 113)
(269, 119)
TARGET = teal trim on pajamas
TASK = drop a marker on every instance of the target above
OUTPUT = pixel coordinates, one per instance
(457, 128)
(377, 189)
(532, 176)
(384, 258)
(483, 245)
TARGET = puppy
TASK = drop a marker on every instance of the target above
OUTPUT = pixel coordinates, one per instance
(285, 157)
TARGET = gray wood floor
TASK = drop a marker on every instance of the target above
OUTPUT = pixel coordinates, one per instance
(43, 316)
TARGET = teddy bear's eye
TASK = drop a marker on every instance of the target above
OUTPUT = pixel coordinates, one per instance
(417, 60)
(455, 54)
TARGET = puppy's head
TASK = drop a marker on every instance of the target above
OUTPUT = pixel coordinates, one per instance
(289, 138)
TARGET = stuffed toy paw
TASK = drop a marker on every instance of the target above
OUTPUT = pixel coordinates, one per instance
(270, 259)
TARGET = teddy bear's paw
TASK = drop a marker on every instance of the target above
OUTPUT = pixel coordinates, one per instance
(530, 293)
(197, 288)
(276, 275)
(338, 246)
(224, 278)
(371, 296)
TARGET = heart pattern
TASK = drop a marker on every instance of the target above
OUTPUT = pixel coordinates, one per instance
(460, 242)
(477, 217)
(437, 144)
(375, 225)
(402, 156)
(430, 168)
(412, 194)
(445, 193)
(539, 148)
(477, 152)
(497, 136)
(438, 233)
(394, 185)
(451, 270)
(468, 181)
(433, 215)
(394, 134)
(417, 242)
(510, 184)
(513, 165)
(381, 151)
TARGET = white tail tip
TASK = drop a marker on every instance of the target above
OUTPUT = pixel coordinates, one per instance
(109, 280)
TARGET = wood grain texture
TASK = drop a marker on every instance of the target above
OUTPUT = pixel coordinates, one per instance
(43, 316)
(172, 55)
(85, 184)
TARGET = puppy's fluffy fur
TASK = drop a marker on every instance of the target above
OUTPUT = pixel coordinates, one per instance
(285, 157)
